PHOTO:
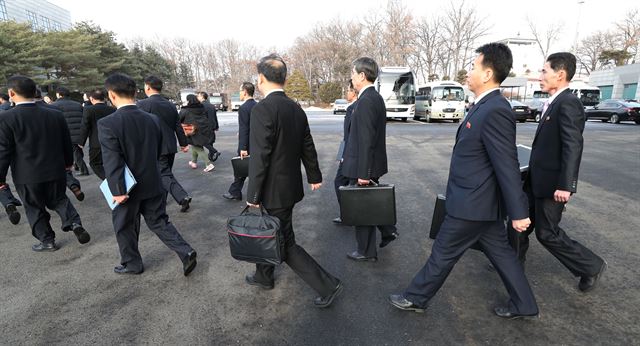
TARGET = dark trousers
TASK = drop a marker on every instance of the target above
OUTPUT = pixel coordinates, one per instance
(366, 235)
(298, 259)
(546, 215)
(236, 187)
(454, 238)
(36, 198)
(78, 159)
(95, 161)
(126, 222)
(339, 180)
(72, 181)
(169, 182)
(7, 198)
(211, 151)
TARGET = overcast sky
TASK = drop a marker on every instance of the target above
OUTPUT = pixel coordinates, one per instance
(276, 23)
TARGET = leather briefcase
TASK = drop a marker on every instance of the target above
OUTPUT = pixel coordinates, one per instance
(256, 238)
(439, 211)
(371, 205)
(240, 166)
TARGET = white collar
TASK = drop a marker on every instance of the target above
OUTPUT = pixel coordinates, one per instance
(481, 96)
(272, 91)
(553, 97)
(128, 104)
(365, 88)
(25, 102)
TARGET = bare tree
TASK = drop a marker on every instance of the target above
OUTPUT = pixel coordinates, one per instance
(628, 34)
(591, 48)
(547, 38)
(429, 43)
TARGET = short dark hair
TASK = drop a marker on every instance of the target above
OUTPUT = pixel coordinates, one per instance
(249, 88)
(62, 91)
(121, 84)
(154, 82)
(368, 66)
(192, 100)
(23, 86)
(497, 57)
(563, 61)
(98, 94)
(203, 94)
(4, 96)
(351, 87)
(38, 94)
(273, 68)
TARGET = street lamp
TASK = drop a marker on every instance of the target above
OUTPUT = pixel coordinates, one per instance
(575, 41)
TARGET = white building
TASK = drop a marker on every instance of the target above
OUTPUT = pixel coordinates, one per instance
(527, 60)
(42, 14)
(617, 83)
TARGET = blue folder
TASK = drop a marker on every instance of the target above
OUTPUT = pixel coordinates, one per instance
(129, 182)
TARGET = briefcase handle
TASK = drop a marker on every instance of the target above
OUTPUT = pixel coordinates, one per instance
(262, 210)
(371, 184)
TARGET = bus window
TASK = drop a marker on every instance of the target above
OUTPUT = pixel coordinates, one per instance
(448, 94)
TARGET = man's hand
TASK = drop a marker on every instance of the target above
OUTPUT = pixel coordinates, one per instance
(315, 186)
(80, 146)
(521, 225)
(243, 154)
(363, 181)
(562, 196)
(185, 149)
(120, 199)
(253, 205)
(69, 168)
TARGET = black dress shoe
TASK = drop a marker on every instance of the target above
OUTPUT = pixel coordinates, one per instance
(12, 212)
(386, 240)
(587, 283)
(77, 192)
(82, 235)
(337, 220)
(356, 256)
(124, 270)
(506, 313)
(324, 302)
(44, 247)
(251, 280)
(232, 197)
(190, 263)
(400, 302)
(215, 156)
(185, 204)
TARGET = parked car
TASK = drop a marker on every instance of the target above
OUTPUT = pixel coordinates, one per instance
(521, 111)
(340, 105)
(615, 111)
(537, 105)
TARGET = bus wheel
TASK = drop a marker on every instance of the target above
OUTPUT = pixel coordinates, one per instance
(415, 117)
(456, 120)
(404, 120)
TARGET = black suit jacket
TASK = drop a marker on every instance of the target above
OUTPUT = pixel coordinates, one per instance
(72, 112)
(556, 151)
(244, 123)
(90, 116)
(280, 139)
(484, 176)
(347, 122)
(169, 122)
(365, 153)
(35, 142)
(131, 136)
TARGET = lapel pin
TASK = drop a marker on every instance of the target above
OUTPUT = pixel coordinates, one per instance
(468, 125)
(548, 118)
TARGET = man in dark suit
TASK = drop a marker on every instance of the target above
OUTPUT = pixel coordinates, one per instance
(244, 120)
(212, 115)
(132, 137)
(556, 153)
(5, 103)
(341, 180)
(35, 142)
(91, 114)
(484, 184)
(280, 140)
(170, 128)
(7, 199)
(72, 112)
(365, 152)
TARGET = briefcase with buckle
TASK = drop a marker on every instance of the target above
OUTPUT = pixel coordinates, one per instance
(369, 205)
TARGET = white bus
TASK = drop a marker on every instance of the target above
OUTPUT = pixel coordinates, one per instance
(441, 100)
(397, 87)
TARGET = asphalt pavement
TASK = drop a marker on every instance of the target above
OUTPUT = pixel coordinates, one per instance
(72, 296)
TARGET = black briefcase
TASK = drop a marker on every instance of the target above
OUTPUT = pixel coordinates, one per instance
(371, 205)
(439, 212)
(240, 166)
(256, 237)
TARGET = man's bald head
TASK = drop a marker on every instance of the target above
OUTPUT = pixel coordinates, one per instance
(273, 68)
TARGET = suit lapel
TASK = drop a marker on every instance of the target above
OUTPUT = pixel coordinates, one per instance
(473, 110)
(547, 114)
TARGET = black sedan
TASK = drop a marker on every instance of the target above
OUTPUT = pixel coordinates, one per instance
(615, 111)
(521, 111)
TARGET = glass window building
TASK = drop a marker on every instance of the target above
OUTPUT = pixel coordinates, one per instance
(42, 14)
